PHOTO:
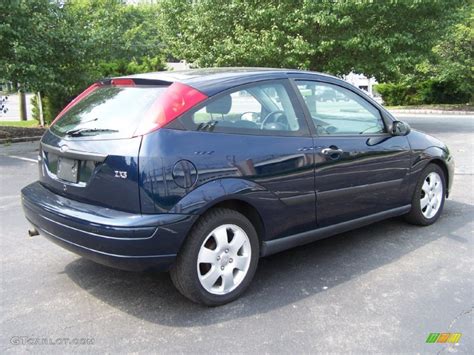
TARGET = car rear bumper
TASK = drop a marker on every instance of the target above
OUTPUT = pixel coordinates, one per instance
(113, 238)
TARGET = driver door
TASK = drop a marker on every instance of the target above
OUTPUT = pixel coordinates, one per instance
(360, 169)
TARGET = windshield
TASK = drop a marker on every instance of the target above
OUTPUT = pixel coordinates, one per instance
(110, 112)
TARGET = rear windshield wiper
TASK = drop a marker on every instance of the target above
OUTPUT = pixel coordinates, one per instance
(84, 131)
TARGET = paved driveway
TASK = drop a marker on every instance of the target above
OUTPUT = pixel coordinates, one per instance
(382, 288)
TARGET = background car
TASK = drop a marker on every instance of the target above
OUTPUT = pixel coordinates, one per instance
(202, 172)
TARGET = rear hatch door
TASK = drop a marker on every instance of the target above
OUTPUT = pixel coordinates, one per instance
(90, 153)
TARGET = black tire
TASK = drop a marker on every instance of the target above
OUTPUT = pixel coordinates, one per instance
(184, 273)
(416, 216)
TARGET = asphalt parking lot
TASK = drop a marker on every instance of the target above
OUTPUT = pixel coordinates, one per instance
(382, 288)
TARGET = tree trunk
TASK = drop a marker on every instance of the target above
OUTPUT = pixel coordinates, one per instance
(22, 97)
(40, 108)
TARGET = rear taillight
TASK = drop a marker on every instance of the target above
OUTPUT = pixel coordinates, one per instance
(77, 99)
(176, 100)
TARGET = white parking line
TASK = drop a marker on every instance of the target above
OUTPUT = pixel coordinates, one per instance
(22, 158)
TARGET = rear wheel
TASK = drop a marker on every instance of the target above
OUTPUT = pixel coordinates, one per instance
(428, 200)
(218, 259)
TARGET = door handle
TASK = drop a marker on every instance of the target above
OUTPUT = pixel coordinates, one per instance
(332, 152)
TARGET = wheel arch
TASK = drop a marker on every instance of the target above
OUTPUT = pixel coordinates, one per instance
(433, 155)
(243, 196)
(246, 209)
(239, 205)
(443, 166)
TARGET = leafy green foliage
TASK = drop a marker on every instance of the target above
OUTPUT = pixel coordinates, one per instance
(446, 74)
(395, 94)
(59, 48)
(422, 49)
(120, 39)
(423, 92)
(39, 46)
(381, 38)
(453, 68)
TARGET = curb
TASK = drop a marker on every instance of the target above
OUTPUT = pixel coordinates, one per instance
(433, 112)
(19, 140)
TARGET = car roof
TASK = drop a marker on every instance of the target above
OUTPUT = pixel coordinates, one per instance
(214, 80)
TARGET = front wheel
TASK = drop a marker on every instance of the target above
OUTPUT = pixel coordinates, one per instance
(428, 200)
(218, 259)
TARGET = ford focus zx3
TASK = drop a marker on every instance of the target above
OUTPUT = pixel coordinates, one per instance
(202, 172)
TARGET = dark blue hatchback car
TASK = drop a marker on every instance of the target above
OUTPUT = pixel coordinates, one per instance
(201, 172)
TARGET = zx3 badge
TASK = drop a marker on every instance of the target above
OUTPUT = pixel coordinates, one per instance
(120, 174)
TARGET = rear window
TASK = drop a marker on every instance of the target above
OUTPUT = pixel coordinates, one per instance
(110, 112)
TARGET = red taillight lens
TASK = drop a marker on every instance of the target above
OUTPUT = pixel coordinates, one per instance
(122, 82)
(76, 100)
(176, 100)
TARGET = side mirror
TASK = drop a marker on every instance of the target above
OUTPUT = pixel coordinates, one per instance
(400, 128)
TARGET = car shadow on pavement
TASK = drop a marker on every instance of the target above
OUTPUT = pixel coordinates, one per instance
(280, 280)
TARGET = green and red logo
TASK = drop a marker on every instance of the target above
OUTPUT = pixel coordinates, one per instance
(444, 338)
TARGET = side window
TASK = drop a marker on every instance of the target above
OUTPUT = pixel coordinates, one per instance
(264, 109)
(338, 111)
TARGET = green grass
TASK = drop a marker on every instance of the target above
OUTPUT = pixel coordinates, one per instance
(445, 107)
(25, 124)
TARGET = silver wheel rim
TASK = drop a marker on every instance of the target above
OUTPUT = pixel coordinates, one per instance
(224, 259)
(431, 195)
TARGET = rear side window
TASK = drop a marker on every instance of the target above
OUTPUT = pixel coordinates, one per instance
(263, 109)
(109, 112)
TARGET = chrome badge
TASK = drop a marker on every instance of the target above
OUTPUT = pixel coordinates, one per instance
(120, 174)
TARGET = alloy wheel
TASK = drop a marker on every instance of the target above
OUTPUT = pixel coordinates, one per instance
(431, 195)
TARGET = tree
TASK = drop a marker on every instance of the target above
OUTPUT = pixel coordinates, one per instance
(57, 48)
(446, 73)
(40, 47)
(383, 39)
(119, 38)
(453, 65)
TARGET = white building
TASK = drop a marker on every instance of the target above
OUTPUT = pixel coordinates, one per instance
(362, 82)
(181, 65)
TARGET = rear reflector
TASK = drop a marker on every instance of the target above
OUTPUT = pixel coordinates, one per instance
(175, 101)
(77, 99)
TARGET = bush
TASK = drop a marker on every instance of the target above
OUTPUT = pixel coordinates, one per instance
(49, 110)
(396, 94)
(425, 92)
(34, 108)
(444, 92)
